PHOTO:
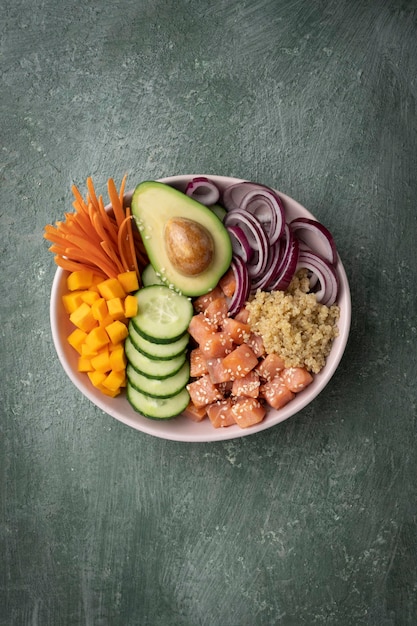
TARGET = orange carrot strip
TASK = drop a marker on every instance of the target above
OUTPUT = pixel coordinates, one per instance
(79, 198)
(92, 192)
(122, 189)
(109, 224)
(121, 240)
(115, 202)
(113, 256)
(73, 266)
(91, 259)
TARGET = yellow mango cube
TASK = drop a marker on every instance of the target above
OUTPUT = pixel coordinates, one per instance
(83, 318)
(81, 279)
(118, 360)
(84, 364)
(107, 391)
(76, 339)
(111, 288)
(89, 296)
(116, 308)
(129, 281)
(114, 380)
(97, 338)
(117, 331)
(96, 377)
(72, 300)
(130, 306)
(101, 362)
(99, 309)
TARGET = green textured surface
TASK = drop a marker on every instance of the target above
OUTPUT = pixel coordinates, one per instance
(313, 521)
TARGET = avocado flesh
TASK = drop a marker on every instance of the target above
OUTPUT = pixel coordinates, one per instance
(153, 205)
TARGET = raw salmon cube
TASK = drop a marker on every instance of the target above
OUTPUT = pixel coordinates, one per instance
(247, 386)
(270, 366)
(240, 361)
(276, 393)
(296, 378)
(248, 412)
(203, 392)
(220, 413)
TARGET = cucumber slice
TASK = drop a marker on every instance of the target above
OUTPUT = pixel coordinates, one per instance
(158, 351)
(163, 314)
(150, 277)
(152, 368)
(157, 387)
(157, 408)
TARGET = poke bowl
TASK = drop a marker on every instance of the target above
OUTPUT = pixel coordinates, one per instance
(181, 428)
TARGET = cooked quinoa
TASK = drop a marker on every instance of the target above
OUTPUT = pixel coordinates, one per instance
(294, 325)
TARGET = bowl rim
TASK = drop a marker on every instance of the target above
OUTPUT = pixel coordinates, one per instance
(194, 432)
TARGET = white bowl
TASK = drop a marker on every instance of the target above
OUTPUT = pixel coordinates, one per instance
(182, 428)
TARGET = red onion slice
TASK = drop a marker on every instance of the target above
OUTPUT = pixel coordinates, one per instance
(262, 202)
(288, 266)
(316, 236)
(255, 235)
(240, 243)
(203, 190)
(325, 273)
(242, 290)
(274, 260)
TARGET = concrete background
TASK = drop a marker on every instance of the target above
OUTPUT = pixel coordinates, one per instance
(313, 521)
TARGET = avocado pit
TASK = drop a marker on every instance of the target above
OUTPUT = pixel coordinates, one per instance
(189, 246)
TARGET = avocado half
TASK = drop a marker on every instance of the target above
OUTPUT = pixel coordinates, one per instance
(154, 205)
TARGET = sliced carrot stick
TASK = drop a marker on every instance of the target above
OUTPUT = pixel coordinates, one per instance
(115, 202)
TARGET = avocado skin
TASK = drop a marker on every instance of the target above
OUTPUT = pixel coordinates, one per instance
(153, 205)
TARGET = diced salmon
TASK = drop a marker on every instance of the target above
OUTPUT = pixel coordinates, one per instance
(216, 345)
(248, 412)
(227, 283)
(239, 331)
(217, 311)
(198, 363)
(270, 366)
(200, 327)
(276, 393)
(203, 392)
(216, 370)
(201, 303)
(296, 378)
(242, 316)
(255, 342)
(221, 414)
(247, 386)
(194, 413)
(240, 361)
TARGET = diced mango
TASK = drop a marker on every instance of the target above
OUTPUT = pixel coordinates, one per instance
(81, 279)
(101, 362)
(89, 296)
(118, 359)
(83, 318)
(97, 338)
(72, 301)
(87, 351)
(107, 392)
(130, 306)
(116, 308)
(99, 309)
(117, 331)
(114, 380)
(96, 377)
(111, 288)
(129, 281)
(76, 339)
(84, 364)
